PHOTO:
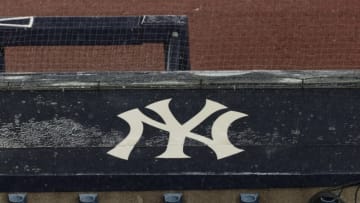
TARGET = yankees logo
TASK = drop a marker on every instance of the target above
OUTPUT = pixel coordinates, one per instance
(178, 132)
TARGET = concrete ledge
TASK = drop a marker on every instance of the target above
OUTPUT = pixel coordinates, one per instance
(181, 80)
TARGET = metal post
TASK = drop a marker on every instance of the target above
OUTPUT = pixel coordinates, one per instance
(2, 59)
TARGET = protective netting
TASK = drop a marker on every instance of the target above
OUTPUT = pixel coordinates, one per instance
(223, 35)
(95, 43)
(85, 58)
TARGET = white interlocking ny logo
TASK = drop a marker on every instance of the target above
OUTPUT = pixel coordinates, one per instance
(178, 132)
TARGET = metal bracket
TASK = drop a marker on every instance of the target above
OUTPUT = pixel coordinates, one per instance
(173, 198)
(17, 198)
(88, 198)
(249, 198)
(30, 23)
